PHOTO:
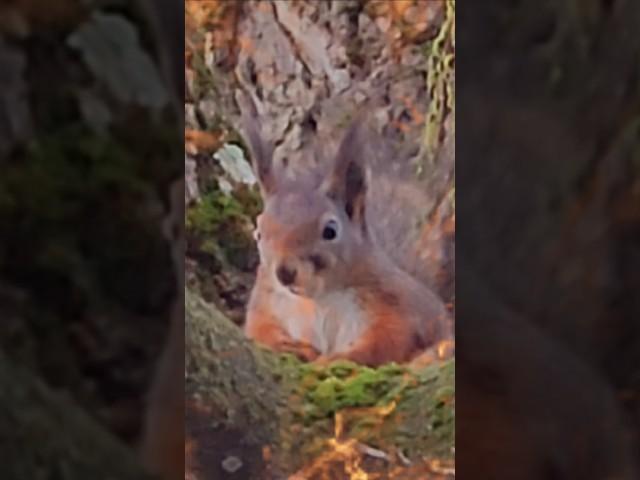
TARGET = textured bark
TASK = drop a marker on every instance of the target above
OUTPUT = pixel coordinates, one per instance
(309, 66)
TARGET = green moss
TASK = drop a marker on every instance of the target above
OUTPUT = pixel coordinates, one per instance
(432, 399)
(346, 385)
(207, 214)
(204, 81)
(221, 225)
(378, 406)
(216, 208)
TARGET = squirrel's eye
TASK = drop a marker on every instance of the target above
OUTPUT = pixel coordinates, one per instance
(330, 230)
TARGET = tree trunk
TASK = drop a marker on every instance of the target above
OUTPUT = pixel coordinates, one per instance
(276, 415)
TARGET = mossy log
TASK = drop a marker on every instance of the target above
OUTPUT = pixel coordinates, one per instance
(267, 414)
(43, 436)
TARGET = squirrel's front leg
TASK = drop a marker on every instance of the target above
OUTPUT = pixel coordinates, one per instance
(442, 350)
(381, 343)
(266, 330)
(303, 350)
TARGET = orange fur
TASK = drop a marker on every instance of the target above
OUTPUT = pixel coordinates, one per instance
(267, 331)
(388, 339)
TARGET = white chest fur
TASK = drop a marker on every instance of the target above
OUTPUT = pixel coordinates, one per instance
(331, 324)
(339, 322)
(296, 314)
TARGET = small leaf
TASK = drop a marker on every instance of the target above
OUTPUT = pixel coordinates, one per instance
(232, 160)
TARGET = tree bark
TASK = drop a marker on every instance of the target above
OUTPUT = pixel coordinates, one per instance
(309, 67)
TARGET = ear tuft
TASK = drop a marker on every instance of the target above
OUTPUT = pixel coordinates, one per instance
(261, 151)
(355, 192)
(346, 182)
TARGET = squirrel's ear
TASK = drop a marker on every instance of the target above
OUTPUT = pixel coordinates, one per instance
(260, 150)
(347, 182)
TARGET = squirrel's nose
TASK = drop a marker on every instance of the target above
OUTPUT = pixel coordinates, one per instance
(286, 275)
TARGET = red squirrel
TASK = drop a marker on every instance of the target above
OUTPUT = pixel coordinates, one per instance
(324, 289)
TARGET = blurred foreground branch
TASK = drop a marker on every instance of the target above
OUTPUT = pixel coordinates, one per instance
(43, 436)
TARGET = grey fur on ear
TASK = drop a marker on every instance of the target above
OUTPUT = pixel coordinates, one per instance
(347, 180)
(261, 151)
(355, 193)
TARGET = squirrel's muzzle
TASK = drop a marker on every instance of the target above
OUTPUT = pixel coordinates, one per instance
(286, 275)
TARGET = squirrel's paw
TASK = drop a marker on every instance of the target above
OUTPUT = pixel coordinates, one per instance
(304, 351)
(324, 360)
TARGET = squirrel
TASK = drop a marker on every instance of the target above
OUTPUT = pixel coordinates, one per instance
(324, 289)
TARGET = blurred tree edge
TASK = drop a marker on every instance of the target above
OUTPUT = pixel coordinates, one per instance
(86, 279)
(259, 401)
(43, 436)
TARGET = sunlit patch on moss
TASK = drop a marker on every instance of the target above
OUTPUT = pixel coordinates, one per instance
(372, 403)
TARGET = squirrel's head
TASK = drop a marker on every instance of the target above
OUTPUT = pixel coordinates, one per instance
(310, 234)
